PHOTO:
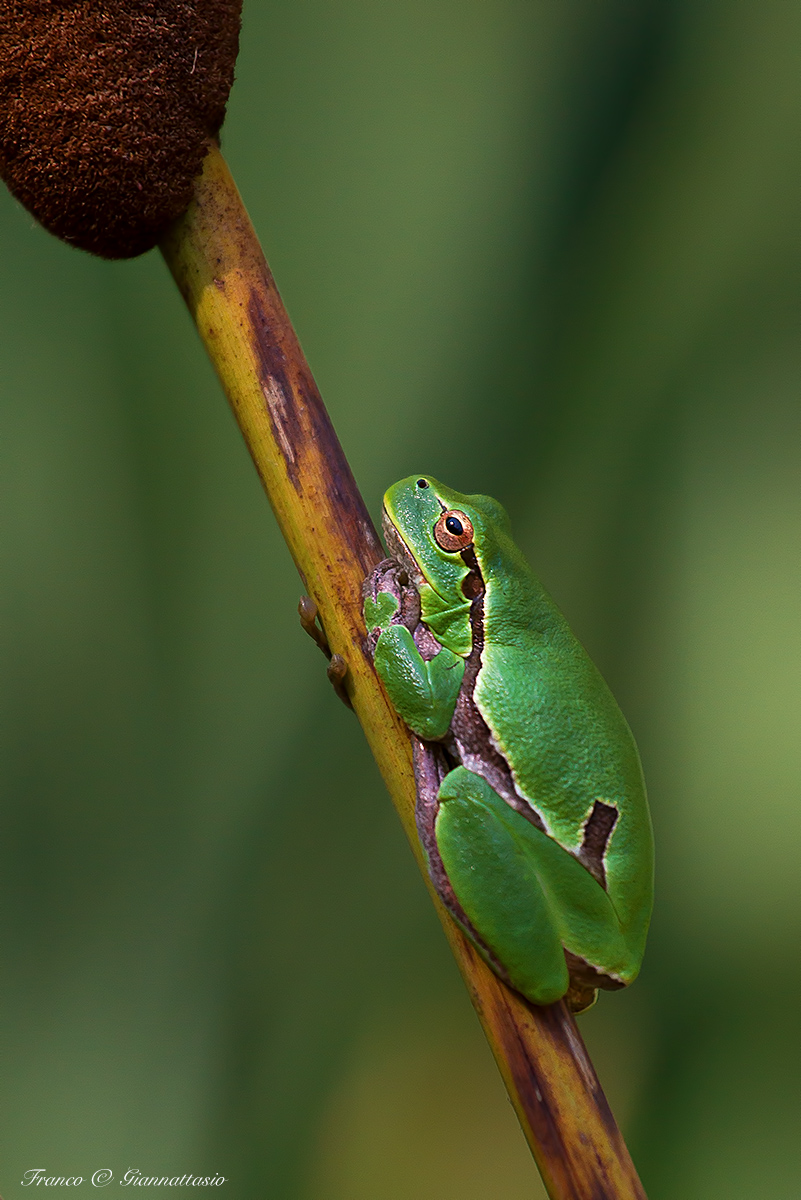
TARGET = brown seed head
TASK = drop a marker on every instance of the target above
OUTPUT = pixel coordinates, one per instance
(105, 109)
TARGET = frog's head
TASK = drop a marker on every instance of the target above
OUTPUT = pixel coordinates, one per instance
(448, 542)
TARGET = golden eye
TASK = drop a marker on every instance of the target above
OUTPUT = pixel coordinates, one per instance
(453, 531)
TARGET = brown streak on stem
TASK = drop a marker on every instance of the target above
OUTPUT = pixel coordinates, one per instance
(219, 267)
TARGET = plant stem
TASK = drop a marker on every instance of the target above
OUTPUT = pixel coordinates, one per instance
(215, 257)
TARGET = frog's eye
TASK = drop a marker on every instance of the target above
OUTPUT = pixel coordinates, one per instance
(453, 531)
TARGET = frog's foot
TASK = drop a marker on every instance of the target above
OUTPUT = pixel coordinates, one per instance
(337, 667)
(390, 598)
(387, 576)
(579, 999)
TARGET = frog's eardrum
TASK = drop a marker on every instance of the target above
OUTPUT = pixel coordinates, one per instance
(105, 111)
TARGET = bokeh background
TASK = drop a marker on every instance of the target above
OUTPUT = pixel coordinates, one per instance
(546, 249)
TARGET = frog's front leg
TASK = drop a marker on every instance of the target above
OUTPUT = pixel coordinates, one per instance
(422, 678)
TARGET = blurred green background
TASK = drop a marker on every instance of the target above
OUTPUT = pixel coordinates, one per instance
(547, 250)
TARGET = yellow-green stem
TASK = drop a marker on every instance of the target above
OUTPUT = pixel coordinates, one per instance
(215, 257)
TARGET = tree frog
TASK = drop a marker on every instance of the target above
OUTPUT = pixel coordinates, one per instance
(531, 805)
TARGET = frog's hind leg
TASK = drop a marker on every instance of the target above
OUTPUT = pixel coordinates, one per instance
(431, 766)
(494, 883)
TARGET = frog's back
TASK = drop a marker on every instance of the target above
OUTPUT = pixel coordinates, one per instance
(562, 733)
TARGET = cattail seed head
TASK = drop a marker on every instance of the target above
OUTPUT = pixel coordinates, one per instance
(105, 110)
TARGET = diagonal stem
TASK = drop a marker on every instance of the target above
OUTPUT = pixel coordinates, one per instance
(215, 257)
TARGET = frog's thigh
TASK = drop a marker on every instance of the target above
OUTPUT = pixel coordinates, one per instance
(495, 883)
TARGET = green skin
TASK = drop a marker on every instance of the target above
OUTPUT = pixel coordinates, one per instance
(531, 801)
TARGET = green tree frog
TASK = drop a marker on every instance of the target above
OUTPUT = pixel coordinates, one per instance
(531, 805)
